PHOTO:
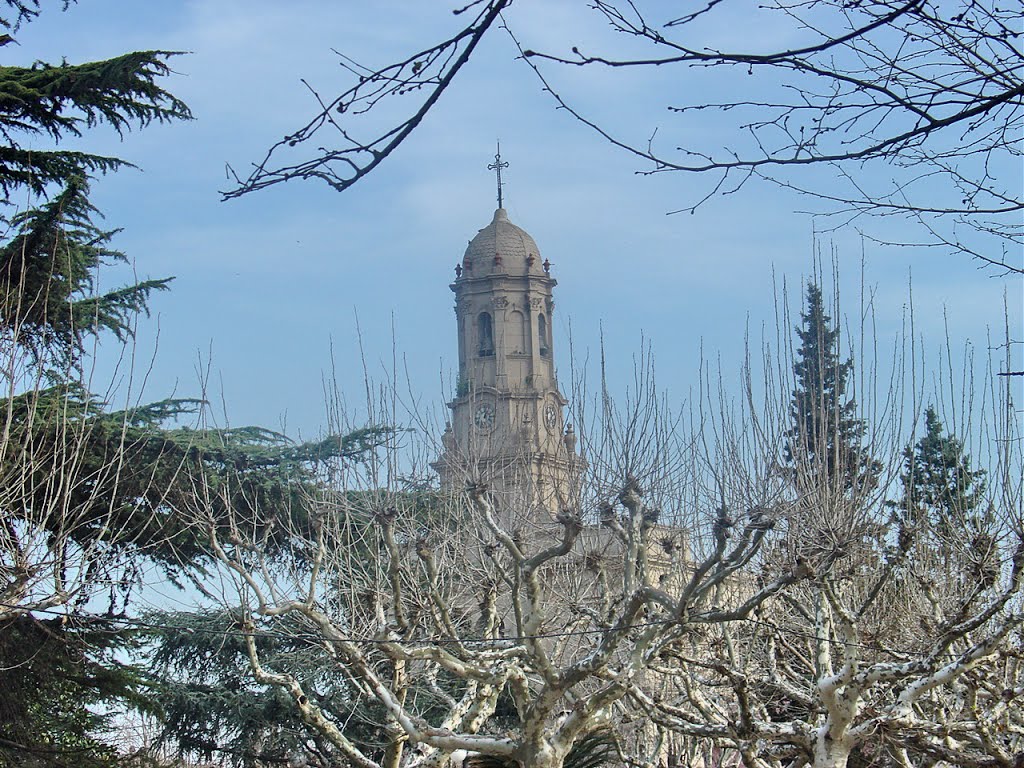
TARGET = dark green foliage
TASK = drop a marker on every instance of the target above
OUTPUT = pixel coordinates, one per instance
(942, 502)
(24, 10)
(127, 485)
(128, 481)
(92, 499)
(824, 443)
(594, 750)
(211, 708)
(64, 99)
(938, 482)
(48, 268)
(56, 679)
(48, 274)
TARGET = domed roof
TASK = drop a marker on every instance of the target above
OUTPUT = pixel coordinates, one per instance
(502, 248)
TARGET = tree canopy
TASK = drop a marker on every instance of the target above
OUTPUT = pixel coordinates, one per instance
(92, 496)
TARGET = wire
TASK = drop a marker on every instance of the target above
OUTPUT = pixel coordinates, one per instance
(141, 623)
(318, 639)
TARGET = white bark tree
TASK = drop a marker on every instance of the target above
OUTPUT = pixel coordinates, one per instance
(700, 597)
(879, 660)
(901, 646)
(466, 622)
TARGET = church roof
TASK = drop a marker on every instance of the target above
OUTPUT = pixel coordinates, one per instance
(502, 248)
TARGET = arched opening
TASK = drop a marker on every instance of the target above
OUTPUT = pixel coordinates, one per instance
(542, 335)
(516, 333)
(484, 335)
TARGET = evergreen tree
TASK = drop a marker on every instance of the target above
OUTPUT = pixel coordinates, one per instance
(824, 443)
(48, 267)
(59, 678)
(61, 100)
(90, 496)
(100, 494)
(213, 710)
(942, 495)
(48, 274)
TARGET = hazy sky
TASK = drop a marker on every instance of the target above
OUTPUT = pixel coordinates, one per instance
(266, 283)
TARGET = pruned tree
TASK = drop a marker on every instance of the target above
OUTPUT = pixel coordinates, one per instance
(211, 710)
(912, 109)
(465, 622)
(702, 598)
(893, 654)
(900, 645)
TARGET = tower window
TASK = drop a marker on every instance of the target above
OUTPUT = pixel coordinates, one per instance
(485, 335)
(516, 332)
(542, 335)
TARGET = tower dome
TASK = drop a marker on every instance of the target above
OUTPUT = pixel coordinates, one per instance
(502, 248)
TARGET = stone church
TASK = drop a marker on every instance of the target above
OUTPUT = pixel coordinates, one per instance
(507, 426)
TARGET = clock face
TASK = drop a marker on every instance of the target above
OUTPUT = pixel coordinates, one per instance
(483, 417)
(550, 416)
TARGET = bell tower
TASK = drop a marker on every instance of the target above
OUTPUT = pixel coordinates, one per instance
(507, 424)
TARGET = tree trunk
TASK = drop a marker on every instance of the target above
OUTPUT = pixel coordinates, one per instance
(829, 753)
(540, 754)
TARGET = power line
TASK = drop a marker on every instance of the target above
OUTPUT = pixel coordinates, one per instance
(319, 639)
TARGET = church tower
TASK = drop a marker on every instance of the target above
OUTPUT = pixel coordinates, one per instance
(507, 418)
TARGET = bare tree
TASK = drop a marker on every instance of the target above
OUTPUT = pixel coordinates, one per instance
(891, 654)
(900, 647)
(700, 598)
(914, 108)
(467, 621)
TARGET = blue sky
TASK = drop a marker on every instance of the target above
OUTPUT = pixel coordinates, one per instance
(265, 285)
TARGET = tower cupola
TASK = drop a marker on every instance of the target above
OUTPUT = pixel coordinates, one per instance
(502, 248)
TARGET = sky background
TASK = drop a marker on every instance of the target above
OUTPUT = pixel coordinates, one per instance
(267, 285)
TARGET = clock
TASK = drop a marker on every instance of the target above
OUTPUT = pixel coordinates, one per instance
(483, 417)
(550, 416)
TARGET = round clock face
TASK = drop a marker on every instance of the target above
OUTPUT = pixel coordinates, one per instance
(550, 416)
(483, 417)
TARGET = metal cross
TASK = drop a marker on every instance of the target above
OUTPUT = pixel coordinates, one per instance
(496, 166)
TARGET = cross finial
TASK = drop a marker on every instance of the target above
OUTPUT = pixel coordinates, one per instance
(496, 166)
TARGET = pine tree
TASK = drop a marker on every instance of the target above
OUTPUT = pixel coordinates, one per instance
(213, 710)
(59, 678)
(48, 267)
(824, 443)
(48, 275)
(942, 496)
(122, 504)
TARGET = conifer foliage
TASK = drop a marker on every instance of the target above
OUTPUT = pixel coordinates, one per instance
(77, 483)
(61, 100)
(824, 443)
(48, 266)
(943, 506)
(938, 482)
(59, 679)
(48, 275)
